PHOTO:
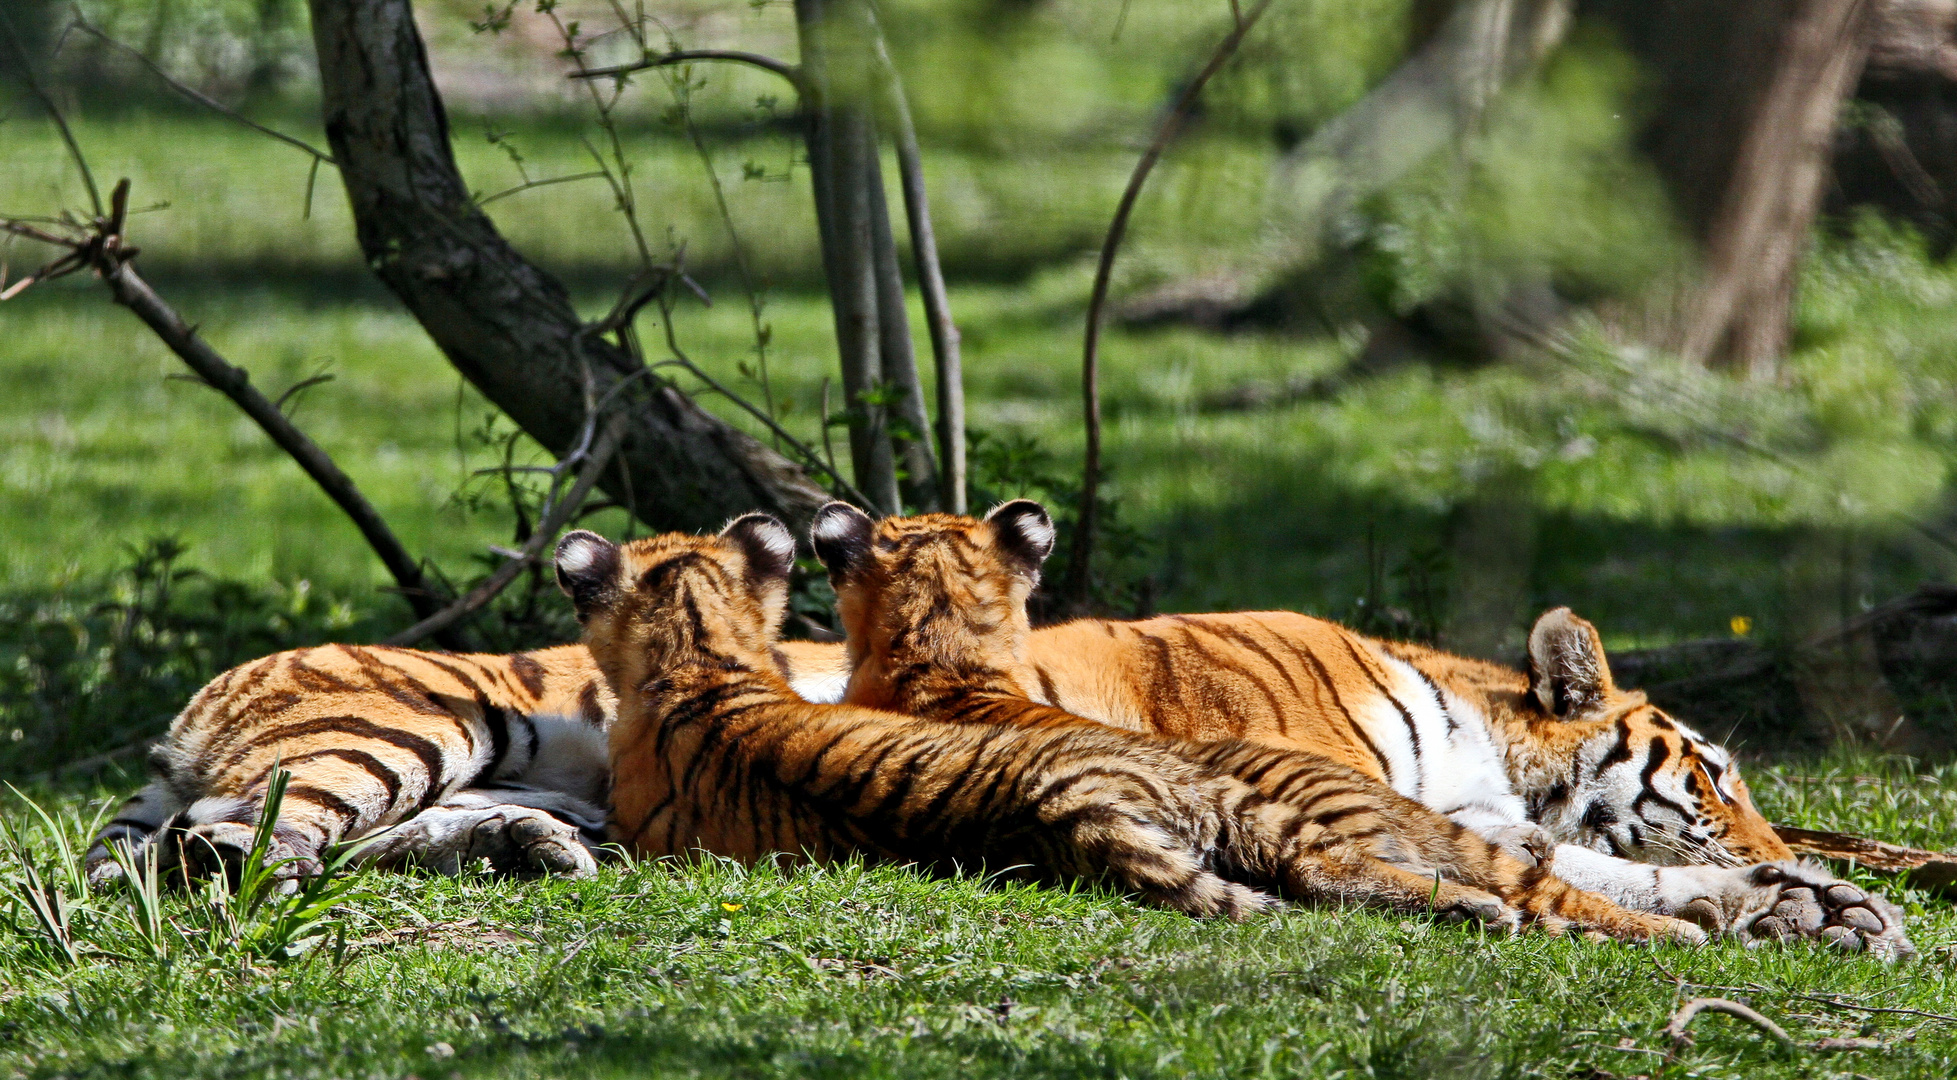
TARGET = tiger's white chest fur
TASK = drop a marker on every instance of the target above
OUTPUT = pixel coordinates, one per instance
(1438, 750)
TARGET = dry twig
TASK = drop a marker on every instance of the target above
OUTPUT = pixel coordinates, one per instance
(1690, 1011)
(559, 511)
(688, 56)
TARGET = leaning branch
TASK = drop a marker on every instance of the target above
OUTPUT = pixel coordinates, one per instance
(688, 56)
(99, 247)
(131, 291)
(930, 283)
(1074, 589)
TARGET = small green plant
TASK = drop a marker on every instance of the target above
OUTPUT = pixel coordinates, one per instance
(267, 914)
(50, 907)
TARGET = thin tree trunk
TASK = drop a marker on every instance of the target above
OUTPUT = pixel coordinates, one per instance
(1739, 317)
(912, 445)
(842, 151)
(506, 325)
(931, 285)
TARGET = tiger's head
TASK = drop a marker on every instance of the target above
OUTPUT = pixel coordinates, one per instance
(933, 597)
(1606, 769)
(649, 605)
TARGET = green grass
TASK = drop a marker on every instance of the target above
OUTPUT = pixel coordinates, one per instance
(710, 970)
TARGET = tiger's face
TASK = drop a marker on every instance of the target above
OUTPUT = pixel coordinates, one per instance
(649, 604)
(1623, 777)
(936, 591)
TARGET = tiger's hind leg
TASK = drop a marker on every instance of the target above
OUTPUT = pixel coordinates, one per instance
(513, 830)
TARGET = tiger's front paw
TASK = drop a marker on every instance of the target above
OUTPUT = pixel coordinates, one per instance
(1810, 902)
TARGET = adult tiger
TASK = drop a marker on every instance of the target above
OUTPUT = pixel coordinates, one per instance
(713, 751)
(1560, 766)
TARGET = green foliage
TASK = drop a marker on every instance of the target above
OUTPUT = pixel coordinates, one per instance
(1548, 190)
(1015, 465)
(103, 661)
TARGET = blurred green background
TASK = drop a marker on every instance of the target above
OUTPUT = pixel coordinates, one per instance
(1261, 466)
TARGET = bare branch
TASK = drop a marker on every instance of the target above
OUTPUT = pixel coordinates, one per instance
(300, 387)
(528, 184)
(210, 103)
(54, 112)
(134, 293)
(595, 458)
(1074, 590)
(681, 361)
(687, 56)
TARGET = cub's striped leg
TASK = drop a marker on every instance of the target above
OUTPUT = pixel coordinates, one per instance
(139, 823)
(514, 830)
(1345, 837)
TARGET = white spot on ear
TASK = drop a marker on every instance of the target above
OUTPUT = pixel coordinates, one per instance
(1039, 533)
(833, 526)
(576, 555)
(779, 542)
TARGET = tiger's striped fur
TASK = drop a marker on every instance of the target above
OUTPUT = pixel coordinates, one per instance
(1561, 766)
(714, 751)
(458, 757)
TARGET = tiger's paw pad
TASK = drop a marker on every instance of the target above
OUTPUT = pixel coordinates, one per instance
(1811, 903)
(521, 840)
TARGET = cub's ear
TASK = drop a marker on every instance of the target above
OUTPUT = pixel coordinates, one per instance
(587, 569)
(766, 543)
(1567, 669)
(841, 535)
(1024, 531)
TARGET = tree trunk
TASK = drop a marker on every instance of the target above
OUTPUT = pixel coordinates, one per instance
(1798, 61)
(506, 325)
(888, 423)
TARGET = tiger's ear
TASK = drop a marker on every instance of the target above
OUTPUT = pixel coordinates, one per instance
(1024, 531)
(767, 545)
(1567, 669)
(841, 535)
(587, 566)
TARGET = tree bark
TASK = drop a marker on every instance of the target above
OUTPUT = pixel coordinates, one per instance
(1800, 61)
(505, 324)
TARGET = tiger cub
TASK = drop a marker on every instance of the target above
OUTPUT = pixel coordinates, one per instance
(712, 750)
(452, 759)
(1562, 768)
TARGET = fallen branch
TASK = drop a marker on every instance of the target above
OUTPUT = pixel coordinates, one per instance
(1078, 582)
(1681, 1037)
